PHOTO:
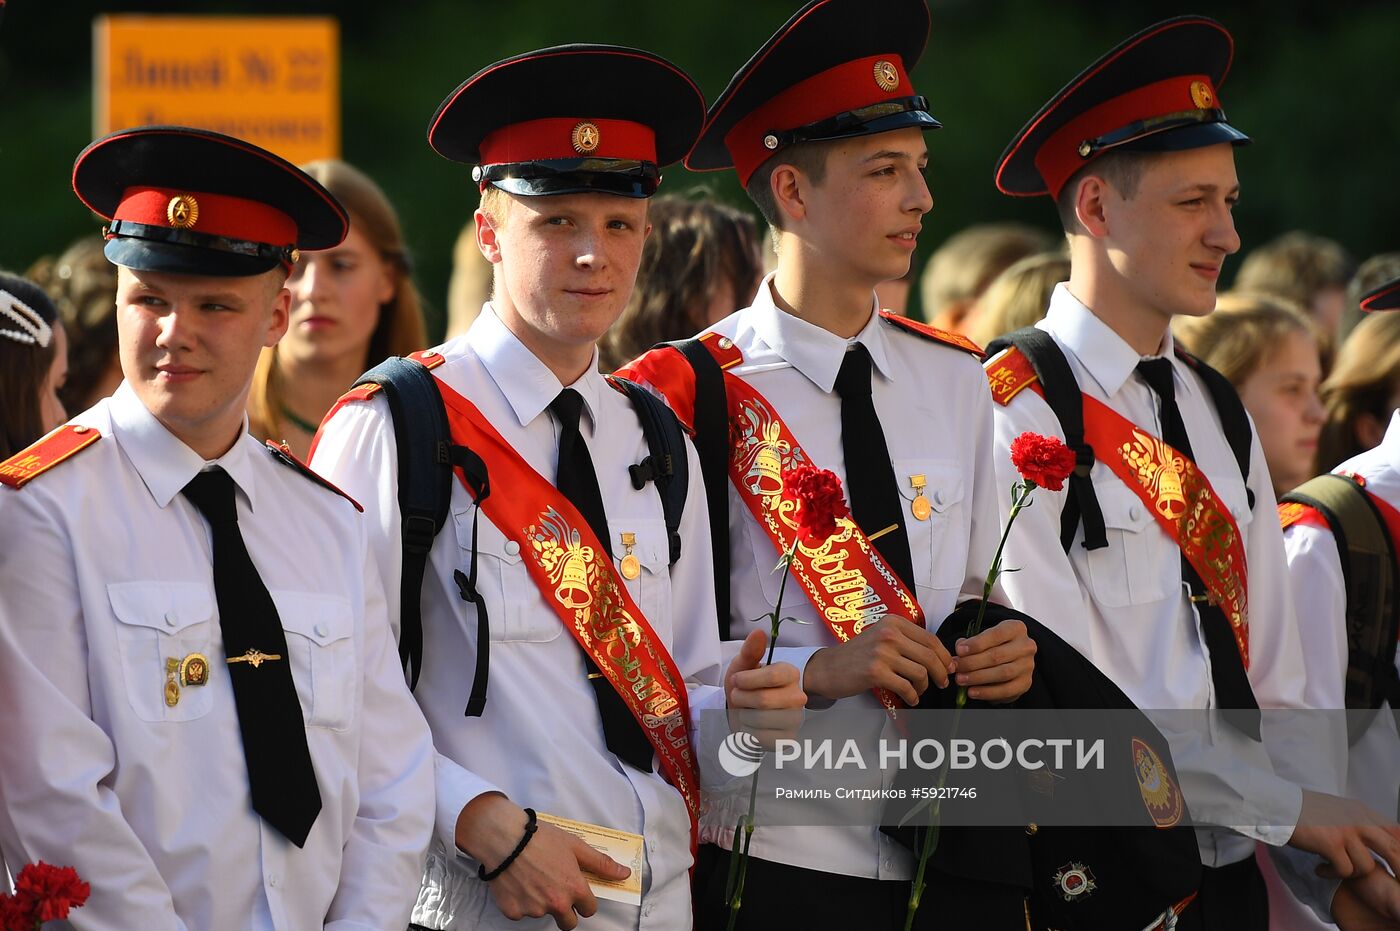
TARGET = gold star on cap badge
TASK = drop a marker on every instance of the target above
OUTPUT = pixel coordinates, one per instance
(586, 137)
(886, 75)
(182, 212)
(1201, 95)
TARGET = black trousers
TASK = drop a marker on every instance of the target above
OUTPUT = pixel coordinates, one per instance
(780, 896)
(1232, 898)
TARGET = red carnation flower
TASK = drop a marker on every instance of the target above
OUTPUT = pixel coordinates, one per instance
(50, 891)
(15, 915)
(820, 501)
(1043, 461)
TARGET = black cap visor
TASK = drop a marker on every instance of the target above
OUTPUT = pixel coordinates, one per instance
(625, 178)
(150, 256)
(865, 121)
(1175, 133)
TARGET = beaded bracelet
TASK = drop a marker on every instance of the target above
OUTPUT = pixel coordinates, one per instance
(530, 827)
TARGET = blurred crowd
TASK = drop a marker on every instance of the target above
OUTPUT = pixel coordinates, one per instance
(1319, 378)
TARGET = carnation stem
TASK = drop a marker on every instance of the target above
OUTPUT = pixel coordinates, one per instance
(734, 887)
(1023, 491)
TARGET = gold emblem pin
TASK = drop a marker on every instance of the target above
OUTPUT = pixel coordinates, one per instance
(172, 687)
(886, 75)
(586, 137)
(194, 670)
(1201, 95)
(631, 566)
(920, 507)
(182, 212)
(254, 658)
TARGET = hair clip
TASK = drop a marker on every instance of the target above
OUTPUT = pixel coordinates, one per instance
(33, 329)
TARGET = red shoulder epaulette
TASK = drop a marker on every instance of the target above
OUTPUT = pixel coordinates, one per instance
(1010, 375)
(283, 454)
(1295, 512)
(932, 333)
(45, 453)
(722, 348)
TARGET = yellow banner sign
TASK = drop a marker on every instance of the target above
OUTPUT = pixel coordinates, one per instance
(272, 80)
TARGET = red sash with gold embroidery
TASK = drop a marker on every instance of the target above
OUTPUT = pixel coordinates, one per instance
(1176, 493)
(845, 578)
(571, 567)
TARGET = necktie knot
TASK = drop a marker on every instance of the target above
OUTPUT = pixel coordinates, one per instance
(853, 380)
(212, 493)
(567, 407)
(1158, 375)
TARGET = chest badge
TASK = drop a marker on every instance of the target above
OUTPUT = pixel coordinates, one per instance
(194, 670)
(631, 566)
(920, 506)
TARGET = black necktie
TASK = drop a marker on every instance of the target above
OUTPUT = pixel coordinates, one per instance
(280, 774)
(1232, 689)
(870, 483)
(577, 480)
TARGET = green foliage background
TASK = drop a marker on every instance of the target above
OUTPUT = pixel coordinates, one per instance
(1317, 84)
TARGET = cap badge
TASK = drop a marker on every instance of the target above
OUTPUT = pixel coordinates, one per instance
(586, 137)
(1074, 880)
(182, 212)
(886, 75)
(1201, 95)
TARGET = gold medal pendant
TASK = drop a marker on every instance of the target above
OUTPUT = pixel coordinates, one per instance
(920, 507)
(172, 688)
(631, 565)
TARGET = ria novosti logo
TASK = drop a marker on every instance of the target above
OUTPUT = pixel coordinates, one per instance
(741, 754)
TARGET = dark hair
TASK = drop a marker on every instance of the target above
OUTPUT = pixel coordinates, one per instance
(24, 367)
(807, 157)
(696, 246)
(83, 285)
(1121, 168)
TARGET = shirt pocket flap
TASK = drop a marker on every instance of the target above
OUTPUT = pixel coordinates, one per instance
(650, 548)
(322, 619)
(490, 541)
(165, 606)
(1122, 508)
(942, 481)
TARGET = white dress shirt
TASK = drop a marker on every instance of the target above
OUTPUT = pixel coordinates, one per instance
(540, 740)
(106, 574)
(1125, 606)
(1368, 770)
(935, 411)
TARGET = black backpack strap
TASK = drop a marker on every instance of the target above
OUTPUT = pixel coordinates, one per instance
(1067, 401)
(1368, 559)
(666, 464)
(712, 449)
(1234, 421)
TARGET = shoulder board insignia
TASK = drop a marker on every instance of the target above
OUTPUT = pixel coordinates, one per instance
(45, 453)
(428, 358)
(1295, 512)
(284, 455)
(1010, 375)
(934, 334)
(360, 392)
(723, 349)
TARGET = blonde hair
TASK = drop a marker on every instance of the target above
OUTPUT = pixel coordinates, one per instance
(1362, 382)
(1246, 326)
(471, 282)
(966, 264)
(1019, 296)
(400, 329)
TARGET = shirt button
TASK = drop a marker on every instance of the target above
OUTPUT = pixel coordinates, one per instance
(322, 630)
(1134, 512)
(272, 880)
(889, 864)
(940, 497)
(512, 548)
(170, 619)
(725, 343)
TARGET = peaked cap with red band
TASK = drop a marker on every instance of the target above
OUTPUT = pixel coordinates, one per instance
(836, 69)
(197, 202)
(1156, 92)
(1383, 297)
(571, 119)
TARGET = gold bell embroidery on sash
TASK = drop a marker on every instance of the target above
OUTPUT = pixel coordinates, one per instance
(920, 507)
(631, 566)
(573, 590)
